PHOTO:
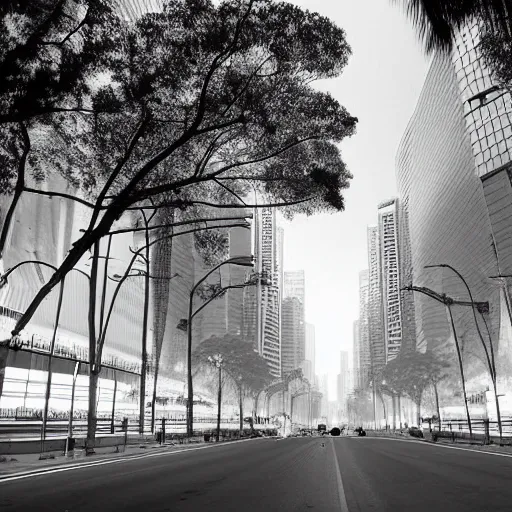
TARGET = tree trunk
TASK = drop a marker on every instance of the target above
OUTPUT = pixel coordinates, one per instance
(153, 402)
(437, 406)
(94, 368)
(219, 403)
(190, 389)
(18, 190)
(381, 396)
(4, 353)
(144, 362)
(418, 412)
(241, 404)
(91, 413)
(393, 404)
(80, 247)
(461, 367)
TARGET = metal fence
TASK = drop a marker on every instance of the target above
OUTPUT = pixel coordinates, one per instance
(23, 427)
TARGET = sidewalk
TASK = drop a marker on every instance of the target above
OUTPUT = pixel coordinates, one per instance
(10, 464)
(16, 464)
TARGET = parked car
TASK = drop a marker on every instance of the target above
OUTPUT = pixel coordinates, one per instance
(415, 432)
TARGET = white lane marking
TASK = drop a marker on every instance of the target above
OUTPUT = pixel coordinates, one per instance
(424, 443)
(341, 490)
(42, 472)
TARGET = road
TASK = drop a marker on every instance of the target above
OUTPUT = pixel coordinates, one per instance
(281, 475)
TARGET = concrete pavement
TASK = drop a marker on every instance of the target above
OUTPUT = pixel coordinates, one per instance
(325, 474)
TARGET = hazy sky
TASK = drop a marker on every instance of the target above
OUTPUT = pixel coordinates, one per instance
(380, 86)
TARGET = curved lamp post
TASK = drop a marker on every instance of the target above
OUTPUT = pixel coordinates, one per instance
(244, 261)
(481, 308)
(448, 302)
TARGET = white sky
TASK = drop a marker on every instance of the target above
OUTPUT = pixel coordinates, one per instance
(380, 86)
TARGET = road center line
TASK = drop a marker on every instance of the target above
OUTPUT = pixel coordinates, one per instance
(341, 490)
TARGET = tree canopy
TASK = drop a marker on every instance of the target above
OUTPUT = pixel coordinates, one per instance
(246, 368)
(411, 372)
(193, 107)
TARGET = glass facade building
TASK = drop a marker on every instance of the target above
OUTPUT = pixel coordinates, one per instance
(445, 213)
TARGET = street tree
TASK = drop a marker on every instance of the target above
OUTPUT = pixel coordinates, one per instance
(211, 97)
(412, 372)
(247, 370)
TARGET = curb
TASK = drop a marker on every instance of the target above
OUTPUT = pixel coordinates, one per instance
(66, 466)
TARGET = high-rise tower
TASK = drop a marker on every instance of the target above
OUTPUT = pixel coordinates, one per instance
(375, 320)
(364, 328)
(390, 277)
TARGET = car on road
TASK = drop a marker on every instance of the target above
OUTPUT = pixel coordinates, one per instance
(415, 432)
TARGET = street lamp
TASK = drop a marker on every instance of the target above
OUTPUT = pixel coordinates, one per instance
(217, 361)
(142, 401)
(448, 302)
(243, 261)
(481, 308)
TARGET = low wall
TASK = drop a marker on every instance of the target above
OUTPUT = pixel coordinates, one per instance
(28, 446)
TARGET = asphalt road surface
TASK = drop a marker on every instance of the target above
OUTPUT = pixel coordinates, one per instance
(323, 474)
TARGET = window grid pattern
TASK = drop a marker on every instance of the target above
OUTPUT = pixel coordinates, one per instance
(390, 278)
(488, 117)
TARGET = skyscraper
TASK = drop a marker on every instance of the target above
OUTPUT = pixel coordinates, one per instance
(375, 310)
(295, 285)
(364, 328)
(390, 277)
(449, 220)
(293, 338)
(310, 350)
(293, 323)
(356, 362)
(267, 248)
(323, 387)
(343, 377)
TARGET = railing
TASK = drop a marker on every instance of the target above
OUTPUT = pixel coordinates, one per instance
(29, 427)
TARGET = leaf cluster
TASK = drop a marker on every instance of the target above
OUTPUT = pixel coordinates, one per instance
(411, 373)
(245, 367)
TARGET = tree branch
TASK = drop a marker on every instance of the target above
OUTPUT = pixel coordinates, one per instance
(183, 204)
(68, 36)
(160, 189)
(176, 224)
(232, 192)
(18, 189)
(244, 88)
(131, 146)
(58, 194)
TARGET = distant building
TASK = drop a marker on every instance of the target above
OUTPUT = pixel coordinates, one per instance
(268, 251)
(390, 278)
(293, 336)
(364, 328)
(323, 387)
(295, 285)
(343, 380)
(293, 325)
(310, 350)
(356, 363)
(375, 309)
